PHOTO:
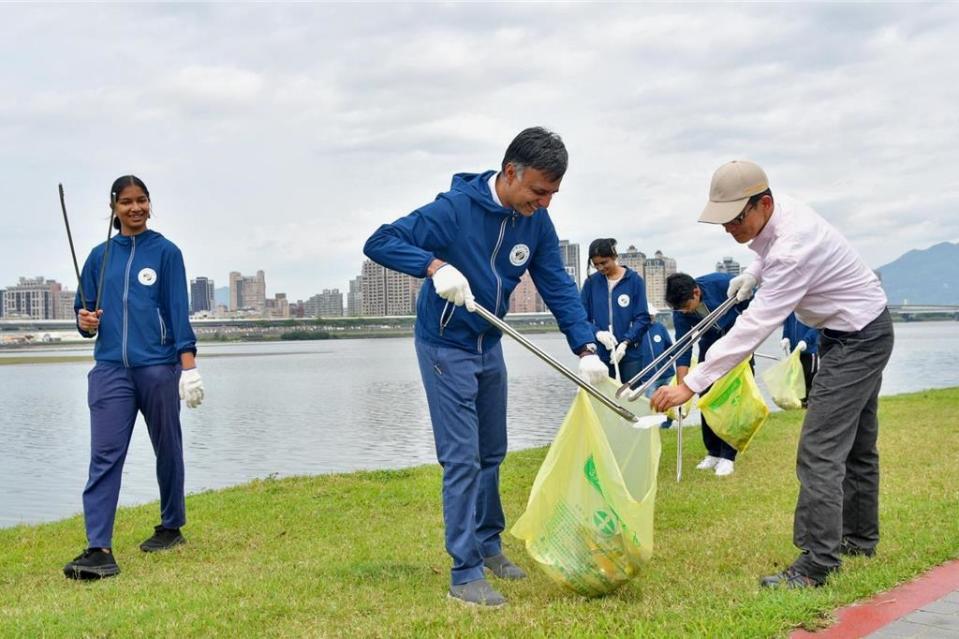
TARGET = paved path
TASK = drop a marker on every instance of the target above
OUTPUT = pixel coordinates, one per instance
(926, 608)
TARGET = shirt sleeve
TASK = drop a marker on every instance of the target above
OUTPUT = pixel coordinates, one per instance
(407, 244)
(640, 320)
(585, 296)
(177, 302)
(785, 281)
(88, 284)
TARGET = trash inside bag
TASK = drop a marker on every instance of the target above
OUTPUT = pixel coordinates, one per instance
(786, 382)
(734, 408)
(589, 519)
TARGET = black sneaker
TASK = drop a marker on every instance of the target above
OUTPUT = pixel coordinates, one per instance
(162, 539)
(789, 578)
(92, 563)
(851, 550)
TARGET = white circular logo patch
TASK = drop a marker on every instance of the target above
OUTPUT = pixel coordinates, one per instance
(657, 338)
(623, 300)
(147, 276)
(518, 255)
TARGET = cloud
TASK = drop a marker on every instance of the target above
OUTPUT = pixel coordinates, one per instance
(279, 136)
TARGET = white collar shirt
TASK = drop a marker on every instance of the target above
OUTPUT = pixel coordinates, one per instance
(804, 264)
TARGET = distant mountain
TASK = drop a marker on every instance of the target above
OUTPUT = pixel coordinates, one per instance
(930, 276)
(222, 296)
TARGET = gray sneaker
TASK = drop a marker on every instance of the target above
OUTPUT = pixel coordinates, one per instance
(477, 593)
(503, 568)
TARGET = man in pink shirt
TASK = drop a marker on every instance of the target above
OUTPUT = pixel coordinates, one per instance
(804, 264)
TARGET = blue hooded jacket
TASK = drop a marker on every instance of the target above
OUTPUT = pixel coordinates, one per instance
(713, 288)
(627, 304)
(492, 246)
(796, 331)
(654, 342)
(145, 305)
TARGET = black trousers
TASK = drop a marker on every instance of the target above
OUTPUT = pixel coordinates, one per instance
(837, 462)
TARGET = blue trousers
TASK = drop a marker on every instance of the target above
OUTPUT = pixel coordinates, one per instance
(466, 393)
(115, 395)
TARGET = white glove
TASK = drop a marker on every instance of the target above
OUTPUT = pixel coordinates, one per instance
(592, 370)
(191, 387)
(452, 286)
(801, 346)
(620, 352)
(607, 339)
(742, 287)
(786, 347)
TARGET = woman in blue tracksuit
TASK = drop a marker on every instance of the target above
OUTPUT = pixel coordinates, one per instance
(145, 362)
(796, 333)
(691, 301)
(615, 301)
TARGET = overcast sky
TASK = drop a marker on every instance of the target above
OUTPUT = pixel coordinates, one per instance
(278, 137)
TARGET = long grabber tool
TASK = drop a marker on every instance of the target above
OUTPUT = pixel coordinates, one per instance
(679, 443)
(106, 251)
(573, 377)
(675, 351)
(76, 266)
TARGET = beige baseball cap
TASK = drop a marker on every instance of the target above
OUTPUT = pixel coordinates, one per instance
(732, 186)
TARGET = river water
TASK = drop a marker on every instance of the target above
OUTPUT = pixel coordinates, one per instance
(293, 408)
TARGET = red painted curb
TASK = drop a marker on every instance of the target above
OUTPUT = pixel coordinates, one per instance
(858, 620)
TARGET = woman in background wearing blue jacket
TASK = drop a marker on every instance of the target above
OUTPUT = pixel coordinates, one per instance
(615, 301)
(145, 362)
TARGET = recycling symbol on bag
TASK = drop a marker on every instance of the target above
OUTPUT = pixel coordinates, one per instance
(604, 522)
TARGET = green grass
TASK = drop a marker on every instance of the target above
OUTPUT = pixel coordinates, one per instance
(362, 554)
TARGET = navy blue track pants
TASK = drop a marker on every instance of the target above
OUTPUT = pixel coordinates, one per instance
(115, 395)
(466, 393)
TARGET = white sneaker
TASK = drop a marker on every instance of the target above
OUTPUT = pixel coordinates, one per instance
(725, 467)
(708, 462)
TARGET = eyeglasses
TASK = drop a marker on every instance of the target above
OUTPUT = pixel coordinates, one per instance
(736, 221)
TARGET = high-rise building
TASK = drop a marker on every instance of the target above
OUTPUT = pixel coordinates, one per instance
(634, 259)
(277, 306)
(329, 303)
(354, 299)
(525, 298)
(387, 292)
(248, 293)
(570, 253)
(2, 291)
(201, 295)
(658, 268)
(33, 298)
(65, 306)
(728, 265)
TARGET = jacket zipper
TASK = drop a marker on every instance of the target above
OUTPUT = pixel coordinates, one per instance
(499, 281)
(126, 297)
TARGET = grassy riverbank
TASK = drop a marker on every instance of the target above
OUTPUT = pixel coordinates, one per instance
(362, 554)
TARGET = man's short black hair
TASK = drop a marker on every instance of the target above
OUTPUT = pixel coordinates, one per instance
(540, 149)
(679, 290)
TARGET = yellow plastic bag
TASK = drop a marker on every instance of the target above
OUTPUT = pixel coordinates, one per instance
(734, 408)
(589, 519)
(786, 382)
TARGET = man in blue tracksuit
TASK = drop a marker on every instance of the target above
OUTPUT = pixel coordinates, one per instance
(691, 301)
(795, 333)
(472, 244)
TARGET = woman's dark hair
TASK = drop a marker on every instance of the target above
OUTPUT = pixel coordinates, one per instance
(121, 183)
(679, 290)
(602, 247)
